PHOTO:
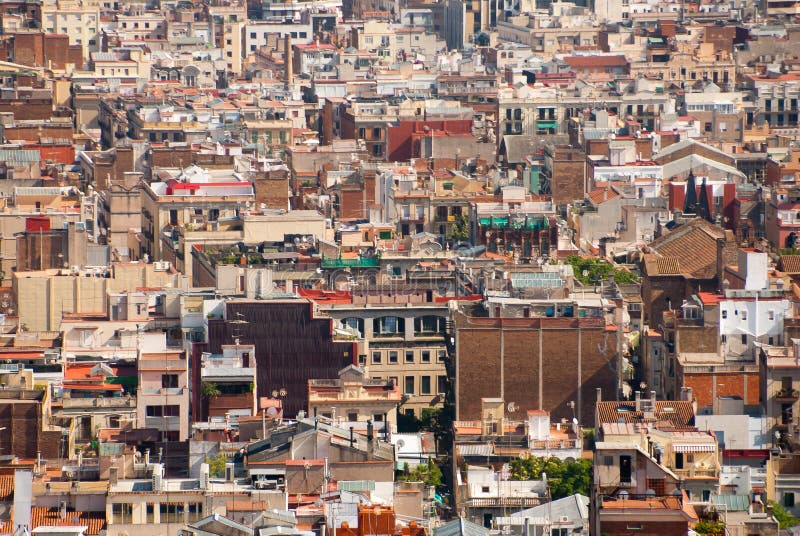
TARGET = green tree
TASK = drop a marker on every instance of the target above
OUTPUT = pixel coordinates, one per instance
(564, 478)
(461, 228)
(429, 474)
(216, 465)
(210, 390)
(596, 270)
(785, 518)
(706, 526)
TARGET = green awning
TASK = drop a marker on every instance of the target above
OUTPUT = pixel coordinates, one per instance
(500, 221)
(547, 124)
(485, 221)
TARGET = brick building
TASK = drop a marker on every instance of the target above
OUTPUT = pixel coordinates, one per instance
(536, 363)
(688, 259)
(565, 173)
(292, 345)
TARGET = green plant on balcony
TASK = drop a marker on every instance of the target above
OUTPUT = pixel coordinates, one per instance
(210, 390)
(788, 393)
(709, 526)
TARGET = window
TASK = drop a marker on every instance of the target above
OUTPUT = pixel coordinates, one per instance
(352, 416)
(744, 338)
(724, 314)
(171, 512)
(388, 326)
(169, 381)
(409, 356)
(484, 489)
(425, 385)
(195, 511)
(771, 314)
(362, 359)
(376, 358)
(355, 324)
(744, 314)
(392, 357)
(122, 512)
(163, 411)
(409, 387)
(429, 325)
(625, 469)
(425, 356)
(441, 384)
(151, 518)
(441, 355)
(788, 499)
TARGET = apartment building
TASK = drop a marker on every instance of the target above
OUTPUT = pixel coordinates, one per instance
(162, 394)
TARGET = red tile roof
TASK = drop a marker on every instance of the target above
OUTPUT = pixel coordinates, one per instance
(6, 488)
(42, 516)
(584, 62)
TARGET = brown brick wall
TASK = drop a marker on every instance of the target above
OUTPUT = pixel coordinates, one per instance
(706, 386)
(273, 191)
(655, 291)
(479, 358)
(696, 339)
(568, 176)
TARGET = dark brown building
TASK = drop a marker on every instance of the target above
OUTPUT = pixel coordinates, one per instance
(292, 346)
(565, 173)
(536, 363)
(688, 259)
(23, 412)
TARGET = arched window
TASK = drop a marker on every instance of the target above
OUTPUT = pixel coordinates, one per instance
(354, 323)
(388, 326)
(429, 325)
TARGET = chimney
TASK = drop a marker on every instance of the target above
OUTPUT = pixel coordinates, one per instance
(113, 475)
(147, 456)
(720, 262)
(796, 350)
(204, 475)
(653, 399)
(638, 401)
(370, 431)
(599, 394)
(351, 437)
(287, 59)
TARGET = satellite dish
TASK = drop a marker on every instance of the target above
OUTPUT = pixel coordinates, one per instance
(400, 443)
(512, 407)
(274, 394)
(574, 421)
(272, 412)
(540, 261)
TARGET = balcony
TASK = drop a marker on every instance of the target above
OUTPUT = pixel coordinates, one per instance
(787, 395)
(169, 424)
(123, 402)
(359, 262)
(698, 473)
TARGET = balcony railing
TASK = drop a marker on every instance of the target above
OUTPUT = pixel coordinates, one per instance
(163, 423)
(787, 394)
(89, 403)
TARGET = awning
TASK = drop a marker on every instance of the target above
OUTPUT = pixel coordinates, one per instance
(546, 124)
(693, 447)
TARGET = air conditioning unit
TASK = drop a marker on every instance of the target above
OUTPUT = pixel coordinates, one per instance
(161, 266)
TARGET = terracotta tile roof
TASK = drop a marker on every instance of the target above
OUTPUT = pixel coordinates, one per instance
(6, 488)
(582, 62)
(42, 516)
(691, 250)
(677, 412)
(601, 195)
(790, 264)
